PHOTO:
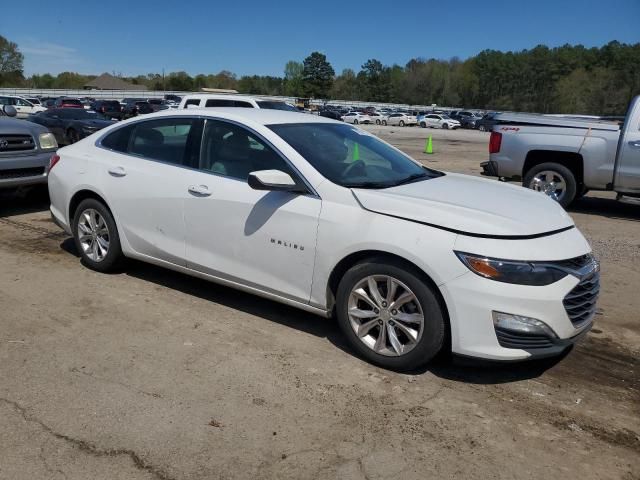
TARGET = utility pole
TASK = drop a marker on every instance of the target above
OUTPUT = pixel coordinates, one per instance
(164, 86)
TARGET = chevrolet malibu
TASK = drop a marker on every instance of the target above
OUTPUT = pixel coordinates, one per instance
(323, 216)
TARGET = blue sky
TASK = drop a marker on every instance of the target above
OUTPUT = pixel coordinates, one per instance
(253, 37)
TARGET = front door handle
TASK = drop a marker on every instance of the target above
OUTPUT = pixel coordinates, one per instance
(117, 172)
(199, 190)
(634, 143)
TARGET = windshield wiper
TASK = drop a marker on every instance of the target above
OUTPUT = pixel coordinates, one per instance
(368, 185)
(411, 178)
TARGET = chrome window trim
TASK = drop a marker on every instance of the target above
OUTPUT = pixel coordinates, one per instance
(98, 143)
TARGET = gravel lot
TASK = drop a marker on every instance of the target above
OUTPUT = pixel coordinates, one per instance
(150, 374)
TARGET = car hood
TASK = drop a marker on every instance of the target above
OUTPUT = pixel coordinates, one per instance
(20, 127)
(469, 205)
(96, 123)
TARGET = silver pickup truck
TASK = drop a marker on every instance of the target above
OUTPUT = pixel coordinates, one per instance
(25, 150)
(566, 157)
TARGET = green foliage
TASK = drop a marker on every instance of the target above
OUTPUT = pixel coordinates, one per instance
(293, 79)
(317, 76)
(11, 69)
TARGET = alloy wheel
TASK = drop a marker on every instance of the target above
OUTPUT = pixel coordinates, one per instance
(385, 315)
(93, 235)
(550, 183)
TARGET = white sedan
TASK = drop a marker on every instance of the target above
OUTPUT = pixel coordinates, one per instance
(401, 119)
(328, 218)
(356, 118)
(439, 121)
(378, 118)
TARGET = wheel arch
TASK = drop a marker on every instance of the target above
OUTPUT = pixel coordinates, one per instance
(358, 257)
(84, 194)
(571, 160)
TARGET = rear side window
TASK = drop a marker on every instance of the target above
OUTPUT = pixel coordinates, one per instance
(192, 101)
(219, 103)
(170, 140)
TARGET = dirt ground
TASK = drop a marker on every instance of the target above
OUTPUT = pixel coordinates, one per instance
(149, 374)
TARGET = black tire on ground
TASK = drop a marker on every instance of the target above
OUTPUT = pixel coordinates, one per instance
(384, 122)
(445, 126)
(355, 122)
(114, 258)
(562, 171)
(423, 125)
(482, 128)
(434, 332)
(401, 123)
(377, 122)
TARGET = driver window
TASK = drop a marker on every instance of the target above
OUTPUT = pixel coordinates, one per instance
(232, 151)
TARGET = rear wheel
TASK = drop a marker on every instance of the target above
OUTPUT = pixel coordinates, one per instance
(423, 125)
(355, 122)
(390, 315)
(482, 128)
(73, 136)
(96, 236)
(377, 122)
(554, 180)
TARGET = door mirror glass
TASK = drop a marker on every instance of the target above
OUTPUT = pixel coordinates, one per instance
(9, 110)
(273, 180)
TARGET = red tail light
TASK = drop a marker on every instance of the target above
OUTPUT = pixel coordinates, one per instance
(54, 159)
(494, 142)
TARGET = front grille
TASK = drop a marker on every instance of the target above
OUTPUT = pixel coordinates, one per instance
(524, 341)
(16, 143)
(21, 173)
(575, 263)
(580, 303)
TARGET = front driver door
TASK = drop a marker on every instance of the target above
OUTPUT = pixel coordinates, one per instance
(262, 239)
(627, 175)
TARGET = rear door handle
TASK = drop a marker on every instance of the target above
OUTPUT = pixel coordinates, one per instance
(634, 143)
(199, 190)
(117, 172)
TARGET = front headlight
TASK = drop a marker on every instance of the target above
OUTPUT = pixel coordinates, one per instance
(47, 141)
(510, 271)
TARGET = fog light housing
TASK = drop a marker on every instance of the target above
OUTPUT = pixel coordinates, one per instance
(521, 324)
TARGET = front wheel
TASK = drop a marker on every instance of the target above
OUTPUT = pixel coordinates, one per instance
(377, 122)
(401, 123)
(355, 122)
(390, 315)
(96, 236)
(445, 126)
(73, 136)
(423, 125)
(482, 128)
(554, 180)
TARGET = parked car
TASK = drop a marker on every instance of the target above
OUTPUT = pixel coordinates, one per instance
(401, 119)
(378, 118)
(468, 119)
(67, 102)
(331, 113)
(108, 108)
(410, 259)
(69, 125)
(209, 100)
(433, 120)
(25, 150)
(34, 101)
(564, 158)
(356, 118)
(136, 107)
(486, 123)
(23, 107)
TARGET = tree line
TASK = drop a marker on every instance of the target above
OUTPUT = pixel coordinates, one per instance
(566, 79)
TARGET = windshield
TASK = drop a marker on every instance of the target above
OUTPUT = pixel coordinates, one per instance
(73, 114)
(276, 106)
(351, 157)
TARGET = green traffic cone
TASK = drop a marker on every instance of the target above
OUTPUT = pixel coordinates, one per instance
(356, 152)
(428, 146)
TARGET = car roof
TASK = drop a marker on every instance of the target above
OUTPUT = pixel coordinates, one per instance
(262, 116)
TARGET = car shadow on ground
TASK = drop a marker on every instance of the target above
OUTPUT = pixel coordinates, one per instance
(23, 201)
(606, 207)
(444, 366)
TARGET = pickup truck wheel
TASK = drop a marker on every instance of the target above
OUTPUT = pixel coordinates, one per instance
(554, 180)
(390, 315)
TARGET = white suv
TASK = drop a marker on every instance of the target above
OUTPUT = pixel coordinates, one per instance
(434, 120)
(326, 217)
(209, 100)
(23, 107)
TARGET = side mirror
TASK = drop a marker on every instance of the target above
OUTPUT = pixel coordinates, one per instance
(274, 180)
(9, 110)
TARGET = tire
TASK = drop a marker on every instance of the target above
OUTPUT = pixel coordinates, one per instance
(384, 122)
(377, 122)
(545, 176)
(482, 128)
(113, 257)
(73, 136)
(420, 348)
(423, 125)
(445, 126)
(355, 122)
(401, 123)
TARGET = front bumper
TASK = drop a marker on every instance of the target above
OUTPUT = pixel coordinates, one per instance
(472, 300)
(24, 169)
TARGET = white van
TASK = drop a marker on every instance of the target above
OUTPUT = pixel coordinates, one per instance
(209, 100)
